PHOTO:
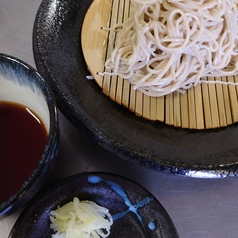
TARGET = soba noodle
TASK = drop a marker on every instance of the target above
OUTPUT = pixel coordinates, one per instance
(171, 45)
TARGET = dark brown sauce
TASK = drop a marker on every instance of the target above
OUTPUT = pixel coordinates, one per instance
(22, 141)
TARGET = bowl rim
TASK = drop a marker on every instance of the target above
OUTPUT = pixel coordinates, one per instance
(7, 207)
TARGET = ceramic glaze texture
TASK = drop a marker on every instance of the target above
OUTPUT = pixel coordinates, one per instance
(16, 85)
(135, 211)
(130, 207)
(21, 84)
(59, 58)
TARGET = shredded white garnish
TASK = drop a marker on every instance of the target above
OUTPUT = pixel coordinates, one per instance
(81, 219)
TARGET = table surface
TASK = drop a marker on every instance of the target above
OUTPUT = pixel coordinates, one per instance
(199, 208)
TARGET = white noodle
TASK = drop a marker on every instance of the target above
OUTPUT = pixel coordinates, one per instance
(169, 45)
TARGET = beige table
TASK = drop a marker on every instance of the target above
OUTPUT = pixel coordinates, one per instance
(200, 208)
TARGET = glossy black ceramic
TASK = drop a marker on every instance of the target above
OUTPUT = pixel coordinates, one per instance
(25, 76)
(135, 211)
(59, 58)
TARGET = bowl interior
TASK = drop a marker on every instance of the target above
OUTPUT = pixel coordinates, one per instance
(17, 84)
(21, 84)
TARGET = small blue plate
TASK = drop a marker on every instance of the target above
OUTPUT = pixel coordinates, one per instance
(135, 211)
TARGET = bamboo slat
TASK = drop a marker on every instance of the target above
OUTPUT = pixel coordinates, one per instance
(199, 107)
(221, 104)
(191, 109)
(153, 108)
(177, 111)
(184, 110)
(213, 103)
(160, 108)
(233, 99)
(169, 109)
(126, 93)
(227, 105)
(139, 103)
(132, 105)
(146, 107)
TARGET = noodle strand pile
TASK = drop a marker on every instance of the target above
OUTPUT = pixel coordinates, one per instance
(170, 45)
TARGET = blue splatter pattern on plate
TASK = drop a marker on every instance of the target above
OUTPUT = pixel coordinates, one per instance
(135, 211)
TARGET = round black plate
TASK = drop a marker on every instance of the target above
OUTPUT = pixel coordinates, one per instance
(135, 212)
(59, 59)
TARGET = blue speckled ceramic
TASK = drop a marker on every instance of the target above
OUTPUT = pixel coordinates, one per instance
(20, 83)
(135, 211)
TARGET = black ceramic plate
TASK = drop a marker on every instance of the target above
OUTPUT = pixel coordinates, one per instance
(135, 212)
(59, 59)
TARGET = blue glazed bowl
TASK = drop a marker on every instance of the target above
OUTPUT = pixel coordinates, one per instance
(20, 83)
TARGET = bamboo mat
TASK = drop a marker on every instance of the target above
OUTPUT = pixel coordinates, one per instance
(203, 107)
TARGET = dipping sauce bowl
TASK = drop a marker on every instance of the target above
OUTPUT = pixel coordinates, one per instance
(29, 133)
